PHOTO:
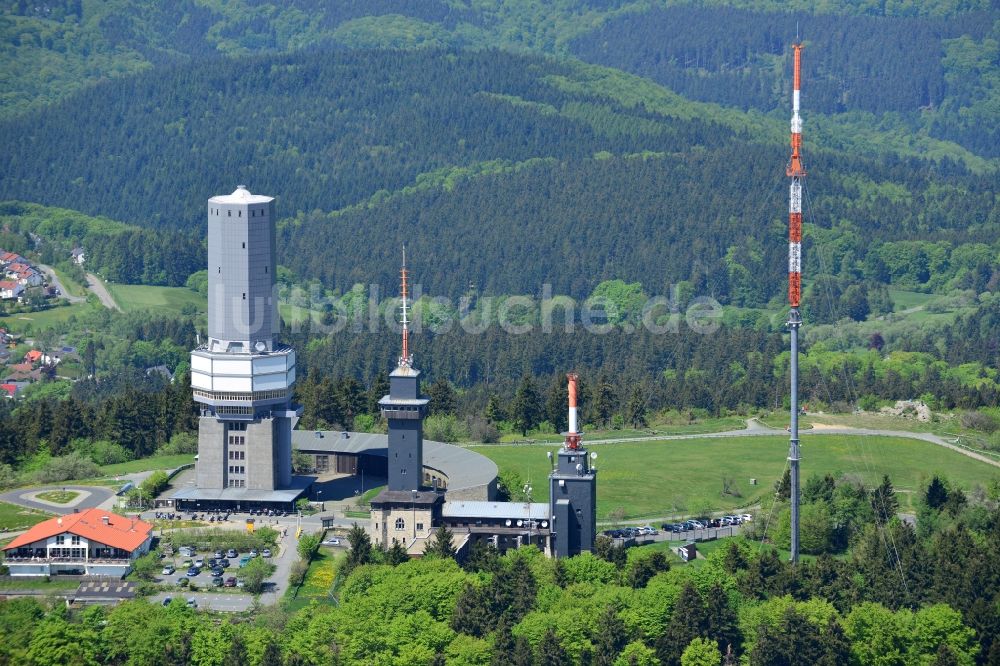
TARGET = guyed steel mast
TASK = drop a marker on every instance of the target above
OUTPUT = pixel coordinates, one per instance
(796, 172)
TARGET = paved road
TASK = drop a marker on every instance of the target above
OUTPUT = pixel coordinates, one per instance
(90, 496)
(757, 429)
(57, 283)
(96, 286)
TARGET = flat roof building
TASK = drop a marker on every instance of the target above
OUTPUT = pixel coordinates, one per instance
(242, 377)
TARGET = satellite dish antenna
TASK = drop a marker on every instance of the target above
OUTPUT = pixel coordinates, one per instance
(549, 454)
(579, 467)
(593, 455)
(508, 522)
(520, 522)
(545, 523)
(260, 346)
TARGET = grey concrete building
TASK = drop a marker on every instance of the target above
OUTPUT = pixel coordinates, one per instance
(241, 376)
(573, 502)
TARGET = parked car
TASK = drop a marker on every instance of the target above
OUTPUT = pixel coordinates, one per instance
(192, 602)
(186, 551)
(217, 581)
(167, 600)
(224, 563)
(168, 570)
(266, 552)
(244, 559)
(219, 555)
(231, 581)
(200, 563)
(232, 554)
(240, 582)
(253, 552)
(332, 542)
(193, 571)
(218, 571)
(747, 518)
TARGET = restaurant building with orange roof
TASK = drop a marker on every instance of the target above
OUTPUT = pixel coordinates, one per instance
(93, 542)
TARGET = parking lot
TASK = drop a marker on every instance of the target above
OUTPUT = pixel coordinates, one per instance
(691, 530)
(232, 598)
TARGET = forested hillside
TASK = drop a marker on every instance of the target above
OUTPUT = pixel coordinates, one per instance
(531, 157)
(945, 67)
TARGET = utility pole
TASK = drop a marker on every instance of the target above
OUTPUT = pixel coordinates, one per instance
(796, 172)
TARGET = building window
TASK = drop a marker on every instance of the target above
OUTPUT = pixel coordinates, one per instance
(420, 527)
(244, 246)
(229, 213)
(75, 540)
(400, 524)
(60, 539)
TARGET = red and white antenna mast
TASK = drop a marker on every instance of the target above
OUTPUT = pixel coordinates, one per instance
(405, 359)
(796, 172)
(572, 436)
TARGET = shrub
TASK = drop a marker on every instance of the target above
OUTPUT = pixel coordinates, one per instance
(63, 468)
(182, 442)
(979, 421)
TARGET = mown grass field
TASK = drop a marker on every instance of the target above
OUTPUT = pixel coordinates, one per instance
(51, 318)
(701, 426)
(133, 297)
(14, 517)
(904, 300)
(685, 477)
(154, 462)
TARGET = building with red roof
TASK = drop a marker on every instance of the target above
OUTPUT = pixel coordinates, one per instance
(33, 356)
(94, 542)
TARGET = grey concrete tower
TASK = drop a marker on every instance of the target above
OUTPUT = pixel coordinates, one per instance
(241, 376)
(404, 409)
(573, 491)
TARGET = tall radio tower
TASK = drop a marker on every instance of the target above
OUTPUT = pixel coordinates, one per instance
(796, 172)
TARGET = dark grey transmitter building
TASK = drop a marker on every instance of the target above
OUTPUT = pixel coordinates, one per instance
(241, 376)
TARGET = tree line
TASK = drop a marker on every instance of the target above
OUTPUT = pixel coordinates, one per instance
(901, 595)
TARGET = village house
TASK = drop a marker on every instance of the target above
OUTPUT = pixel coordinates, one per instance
(93, 542)
(10, 289)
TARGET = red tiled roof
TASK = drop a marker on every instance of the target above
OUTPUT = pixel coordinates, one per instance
(33, 355)
(7, 284)
(9, 388)
(120, 532)
(21, 367)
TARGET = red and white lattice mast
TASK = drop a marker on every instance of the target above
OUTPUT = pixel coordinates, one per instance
(796, 172)
(405, 359)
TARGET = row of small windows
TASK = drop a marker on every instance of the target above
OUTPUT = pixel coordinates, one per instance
(237, 427)
(237, 469)
(239, 213)
(61, 539)
(235, 411)
(237, 483)
(237, 455)
(256, 395)
(237, 440)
